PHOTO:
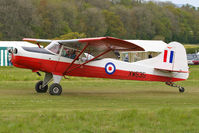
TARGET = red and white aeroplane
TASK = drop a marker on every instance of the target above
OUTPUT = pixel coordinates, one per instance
(98, 57)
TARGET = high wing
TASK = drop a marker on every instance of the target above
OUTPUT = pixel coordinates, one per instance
(37, 40)
(100, 43)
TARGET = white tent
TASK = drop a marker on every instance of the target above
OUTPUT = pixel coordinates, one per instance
(16, 43)
(151, 47)
(4, 45)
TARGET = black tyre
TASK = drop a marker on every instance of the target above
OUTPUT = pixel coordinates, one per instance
(39, 89)
(55, 89)
(181, 89)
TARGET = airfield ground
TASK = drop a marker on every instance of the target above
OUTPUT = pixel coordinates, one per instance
(97, 105)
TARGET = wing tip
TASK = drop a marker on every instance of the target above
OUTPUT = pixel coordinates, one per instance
(29, 39)
(36, 40)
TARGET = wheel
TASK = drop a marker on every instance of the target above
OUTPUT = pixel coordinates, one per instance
(55, 89)
(39, 89)
(181, 89)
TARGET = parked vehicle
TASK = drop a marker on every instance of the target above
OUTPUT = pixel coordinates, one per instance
(193, 59)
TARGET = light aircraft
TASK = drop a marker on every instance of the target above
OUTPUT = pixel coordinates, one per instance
(90, 57)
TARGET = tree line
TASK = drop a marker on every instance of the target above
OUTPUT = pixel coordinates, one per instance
(125, 19)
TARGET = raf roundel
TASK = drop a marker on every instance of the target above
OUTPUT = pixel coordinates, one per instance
(110, 68)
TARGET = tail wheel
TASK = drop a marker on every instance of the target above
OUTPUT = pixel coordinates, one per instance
(55, 89)
(39, 88)
(181, 89)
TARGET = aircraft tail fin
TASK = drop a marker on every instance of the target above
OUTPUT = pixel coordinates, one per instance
(172, 59)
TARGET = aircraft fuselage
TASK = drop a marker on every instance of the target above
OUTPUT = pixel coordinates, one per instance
(40, 59)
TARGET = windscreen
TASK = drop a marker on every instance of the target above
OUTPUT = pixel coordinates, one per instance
(54, 47)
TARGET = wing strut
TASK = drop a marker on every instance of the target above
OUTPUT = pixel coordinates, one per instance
(76, 58)
(88, 61)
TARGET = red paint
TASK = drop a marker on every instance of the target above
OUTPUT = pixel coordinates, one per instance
(104, 43)
(195, 62)
(84, 71)
(165, 56)
(38, 45)
(109, 68)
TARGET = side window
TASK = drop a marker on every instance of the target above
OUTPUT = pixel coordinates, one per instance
(65, 53)
(69, 53)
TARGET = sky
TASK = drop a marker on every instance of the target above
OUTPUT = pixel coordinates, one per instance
(191, 2)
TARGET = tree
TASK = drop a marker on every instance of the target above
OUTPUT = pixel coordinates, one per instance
(100, 4)
(69, 11)
(16, 18)
(92, 23)
(128, 18)
(145, 27)
(71, 35)
(52, 23)
(115, 26)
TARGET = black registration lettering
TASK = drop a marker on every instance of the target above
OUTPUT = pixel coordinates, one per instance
(137, 74)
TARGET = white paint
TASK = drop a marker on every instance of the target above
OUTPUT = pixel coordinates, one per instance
(149, 46)
(57, 78)
(16, 44)
(2, 57)
(6, 58)
(147, 66)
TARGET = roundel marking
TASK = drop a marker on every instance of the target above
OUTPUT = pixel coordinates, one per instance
(110, 68)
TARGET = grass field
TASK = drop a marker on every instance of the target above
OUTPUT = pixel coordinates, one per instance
(191, 48)
(97, 105)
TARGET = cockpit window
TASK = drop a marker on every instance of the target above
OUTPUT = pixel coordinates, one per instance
(69, 53)
(65, 52)
(54, 47)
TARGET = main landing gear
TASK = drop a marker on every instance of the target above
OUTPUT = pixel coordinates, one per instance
(39, 88)
(54, 89)
(172, 84)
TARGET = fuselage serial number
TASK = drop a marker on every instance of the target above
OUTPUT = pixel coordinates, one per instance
(137, 74)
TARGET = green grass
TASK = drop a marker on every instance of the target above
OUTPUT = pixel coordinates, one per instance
(97, 105)
(191, 45)
(191, 48)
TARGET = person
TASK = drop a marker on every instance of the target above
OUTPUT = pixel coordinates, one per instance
(126, 58)
(73, 54)
(136, 57)
(67, 53)
(117, 54)
(149, 56)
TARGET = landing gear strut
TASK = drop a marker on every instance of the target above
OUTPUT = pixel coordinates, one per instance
(172, 84)
(54, 89)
